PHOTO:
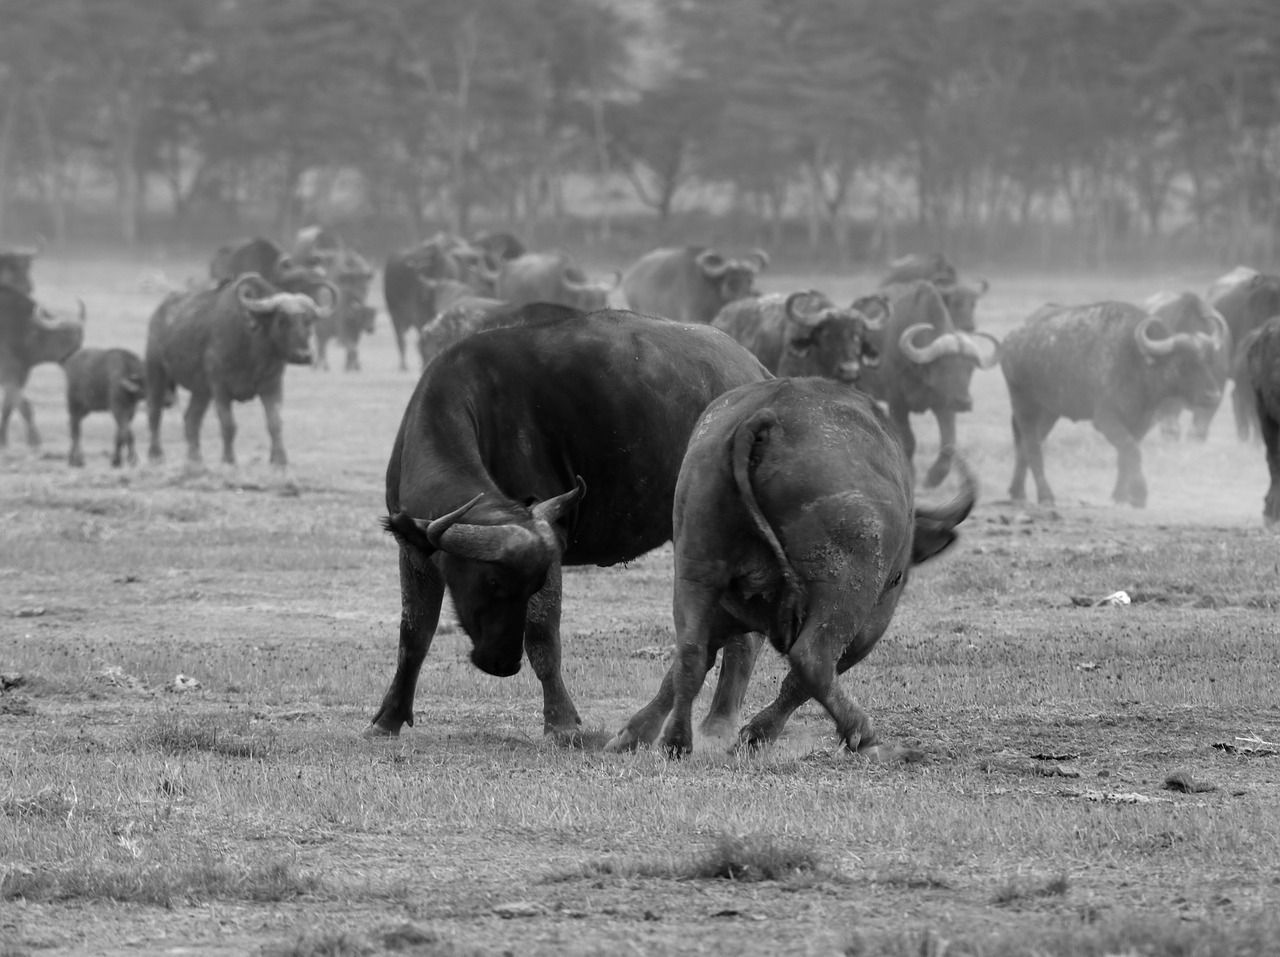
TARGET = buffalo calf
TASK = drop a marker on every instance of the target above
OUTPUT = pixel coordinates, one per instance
(794, 517)
(104, 380)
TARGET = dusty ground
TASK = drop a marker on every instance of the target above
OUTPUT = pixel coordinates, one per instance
(250, 814)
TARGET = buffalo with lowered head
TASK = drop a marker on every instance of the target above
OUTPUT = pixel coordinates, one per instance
(1110, 363)
(29, 335)
(806, 334)
(690, 283)
(549, 442)
(926, 365)
(228, 344)
(795, 519)
(550, 277)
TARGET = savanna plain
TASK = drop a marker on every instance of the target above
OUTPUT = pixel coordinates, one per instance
(248, 815)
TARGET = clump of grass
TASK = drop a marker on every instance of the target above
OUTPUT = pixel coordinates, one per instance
(756, 857)
(1016, 889)
(178, 734)
(162, 885)
(47, 804)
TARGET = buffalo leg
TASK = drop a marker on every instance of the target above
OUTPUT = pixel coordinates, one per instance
(271, 403)
(1131, 487)
(736, 665)
(156, 402)
(227, 425)
(542, 646)
(1270, 430)
(947, 436)
(14, 399)
(75, 457)
(421, 594)
(1030, 430)
(191, 421)
(1243, 405)
(1018, 484)
(124, 435)
(399, 334)
(702, 628)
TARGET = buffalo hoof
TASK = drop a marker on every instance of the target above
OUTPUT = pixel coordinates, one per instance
(752, 739)
(377, 731)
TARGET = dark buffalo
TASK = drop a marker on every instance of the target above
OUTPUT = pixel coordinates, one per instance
(960, 297)
(1187, 312)
(411, 303)
(353, 316)
(485, 487)
(926, 364)
(690, 283)
(1111, 363)
(794, 518)
(550, 277)
(805, 334)
(1262, 360)
(104, 380)
(15, 269)
(258, 255)
(29, 335)
(227, 344)
(1247, 299)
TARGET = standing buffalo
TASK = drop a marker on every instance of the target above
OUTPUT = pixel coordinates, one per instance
(29, 335)
(1104, 363)
(227, 344)
(1246, 299)
(411, 302)
(550, 277)
(805, 334)
(352, 316)
(15, 269)
(1262, 357)
(690, 283)
(925, 366)
(794, 518)
(525, 448)
(462, 317)
(104, 380)
(960, 297)
(257, 255)
(1189, 313)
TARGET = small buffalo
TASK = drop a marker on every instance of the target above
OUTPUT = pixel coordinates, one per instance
(690, 283)
(29, 335)
(806, 334)
(104, 380)
(794, 518)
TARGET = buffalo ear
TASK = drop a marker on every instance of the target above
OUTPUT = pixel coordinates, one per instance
(800, 345)
(930, 540)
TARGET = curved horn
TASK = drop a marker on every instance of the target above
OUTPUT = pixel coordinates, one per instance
(437, 527)
(761, 257)
(1155, 348)
(483, 543)
(1221, 332)
(873, 320)
(84, 314)
(553, 509)
(805, 308)
(970, 348)
(250, 303)
(712, 264)
(335, 296)
(945, 344)
(957, 510)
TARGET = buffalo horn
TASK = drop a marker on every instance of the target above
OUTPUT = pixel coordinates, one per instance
(874, 310)
(712, 264)
(946, 343)
(957, 510)
(806, 308)
(1220, 331)
(971, 348)
(553, 509)
(983, 286)
(437, 527)
(1153, 347)
(335, 296)
(246, 300)
(484, 543)
(761, 257)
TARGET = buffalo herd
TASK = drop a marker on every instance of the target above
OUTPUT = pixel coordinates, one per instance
(767, 436)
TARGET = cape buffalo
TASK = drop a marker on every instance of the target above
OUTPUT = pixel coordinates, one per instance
(690, 283)
(925, 366)
(806, 334)
(1111, 363)
(499, 246)
(529, 447)
(794, 518)
(29, 335)
(1246, 299)
(1187, 312)
(1262, 356)
(550, 277)
(463, 316)
(227, 344)
(352, 316)
(15, 269)
(104, 380)
(960, 297)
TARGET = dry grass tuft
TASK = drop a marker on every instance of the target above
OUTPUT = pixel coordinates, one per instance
(756, 857)
(1020, 888)
(177, 734)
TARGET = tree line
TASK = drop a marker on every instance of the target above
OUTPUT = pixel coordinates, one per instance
(858, 126)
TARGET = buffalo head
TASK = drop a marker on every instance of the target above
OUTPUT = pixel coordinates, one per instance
(825, 340)
(15, 269)
(50, 336)
(1185, 361)
(946, 361)
(961, 299)
(732, 278)
(284, 318)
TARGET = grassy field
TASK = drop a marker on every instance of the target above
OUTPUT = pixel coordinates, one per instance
(250, 816)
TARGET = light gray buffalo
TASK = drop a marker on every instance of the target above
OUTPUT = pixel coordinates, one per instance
(690, 283)
(550, 277)
(794, 518)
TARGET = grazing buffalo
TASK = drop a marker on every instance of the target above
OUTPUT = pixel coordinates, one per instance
(412, 303)
(926, 364)
(960, 298)
(794, 518)
(227, 344)
(1189, 313)
(29, 335)
(1262, 358)
(526, 448)
(550, 277)
(1111, 363)
(1247, 299)
(104, 380)
(805, 334)
(690, 283)
(15, 269)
